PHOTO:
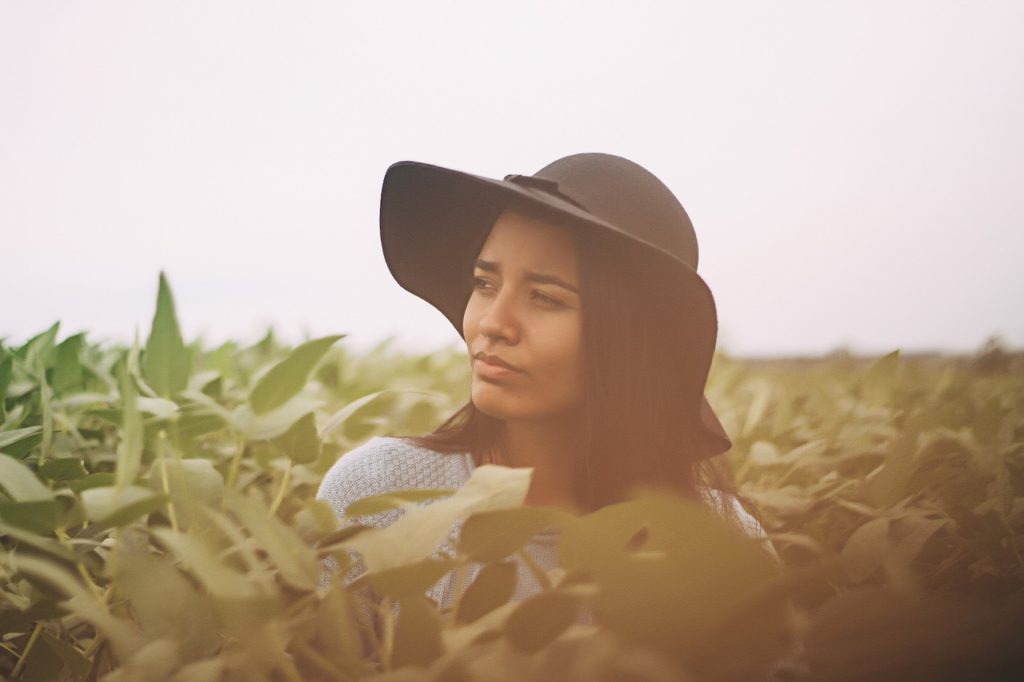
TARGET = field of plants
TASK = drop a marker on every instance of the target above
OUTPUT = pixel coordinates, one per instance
(158, 522)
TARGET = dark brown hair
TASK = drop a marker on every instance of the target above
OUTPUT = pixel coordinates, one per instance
(635, 425)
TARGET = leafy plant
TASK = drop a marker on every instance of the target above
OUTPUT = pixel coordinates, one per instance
(158, 521)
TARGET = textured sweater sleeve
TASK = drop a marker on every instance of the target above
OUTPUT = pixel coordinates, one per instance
(381, 465)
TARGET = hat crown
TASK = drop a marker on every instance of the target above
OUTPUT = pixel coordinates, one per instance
(628, 196)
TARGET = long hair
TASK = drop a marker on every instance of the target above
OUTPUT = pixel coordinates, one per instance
(635, 425)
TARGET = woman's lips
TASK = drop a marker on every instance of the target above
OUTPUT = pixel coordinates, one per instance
(491, 371)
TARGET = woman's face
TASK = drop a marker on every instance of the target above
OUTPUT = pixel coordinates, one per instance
(525, 308)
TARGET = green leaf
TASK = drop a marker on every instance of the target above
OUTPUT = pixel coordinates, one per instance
(342, 416)
(417, 633)
(295, 560)
(51, 547)
(166, 364)
(222, 580)
(494, 585)
(274, 423)
(374, 504)
(414, 578)
(300, 442)
(20, 482)
(6, 373)
(42, 662)
(114, 506)
(165, 602)
(418, 533)
(340, 536)
(81, 602)
(159, 407)
(867, 548)
(287, 378)
(40, 349)
(493, 535)
(666, 594)
(67, 373)
(191, 483)
(880, 380)
(76, 662)
(540, 619)
(104, 478)
(599, 536)
(38, 516)
(63, 469)
(9, 438)
(129, 450)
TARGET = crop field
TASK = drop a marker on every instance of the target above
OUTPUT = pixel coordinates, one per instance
(158, 522)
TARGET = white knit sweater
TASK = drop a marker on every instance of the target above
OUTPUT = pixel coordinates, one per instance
(384, 464)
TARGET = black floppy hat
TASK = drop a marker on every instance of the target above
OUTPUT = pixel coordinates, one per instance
(434, 221)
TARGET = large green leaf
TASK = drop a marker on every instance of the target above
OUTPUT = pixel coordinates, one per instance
(67, 373)
(421, 530)
(165, 602)
(20, 441)
(38, 516)
(492, 587)
(494, 535)
(540, 619)
(20, 482)
(6, 373)
(274, 423)
(129, 450)
(121, 633)
(414, 578)
(301, 443)
(63, 469)
(285, 379)
(116, 506)
(219, 578)
(399, 499)
(295, 560)
(417, 633)
(166, 364)
(46, 545)
(40, 350)
(191, 483)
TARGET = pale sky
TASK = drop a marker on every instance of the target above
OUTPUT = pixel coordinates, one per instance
(853, 169)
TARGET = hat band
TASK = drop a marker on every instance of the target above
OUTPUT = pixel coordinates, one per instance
(544, 185)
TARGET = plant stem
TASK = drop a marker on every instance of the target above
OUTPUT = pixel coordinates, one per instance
(236, 462)
(165, 483)
(284, 487)
(62, 536)
(388, 627)
(28, 648)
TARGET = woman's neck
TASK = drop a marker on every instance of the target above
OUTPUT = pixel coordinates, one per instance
(547, 447)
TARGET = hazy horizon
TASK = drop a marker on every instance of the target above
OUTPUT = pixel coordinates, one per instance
(852, 171)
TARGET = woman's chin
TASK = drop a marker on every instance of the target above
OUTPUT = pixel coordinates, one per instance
(489, 400)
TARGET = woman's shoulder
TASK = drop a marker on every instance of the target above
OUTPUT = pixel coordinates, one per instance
(386, 463)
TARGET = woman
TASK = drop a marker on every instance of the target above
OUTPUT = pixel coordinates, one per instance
(589, 332)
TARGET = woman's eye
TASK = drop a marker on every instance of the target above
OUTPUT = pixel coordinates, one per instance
(548, 299)
(482, 284)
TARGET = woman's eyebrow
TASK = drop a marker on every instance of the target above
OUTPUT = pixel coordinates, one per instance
(539, 277)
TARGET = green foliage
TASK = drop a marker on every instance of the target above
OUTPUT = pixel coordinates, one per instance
(157, 521)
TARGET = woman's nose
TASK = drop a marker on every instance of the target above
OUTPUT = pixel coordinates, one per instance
(500, 319)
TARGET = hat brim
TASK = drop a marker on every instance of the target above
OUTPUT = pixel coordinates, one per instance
(434, 221)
